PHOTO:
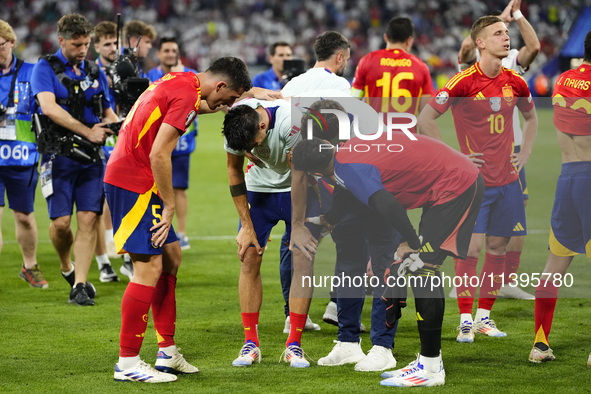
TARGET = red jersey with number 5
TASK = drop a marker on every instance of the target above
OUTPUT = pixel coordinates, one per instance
(482, 110)
(572, 101)
(173, 99)
(393, 80)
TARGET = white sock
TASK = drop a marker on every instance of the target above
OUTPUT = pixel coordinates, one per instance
(169, 350)
(103, 260)
(109, 236)
(69, 272)
(482, 314)
(127, 362)
(466, 317)
(431, 364)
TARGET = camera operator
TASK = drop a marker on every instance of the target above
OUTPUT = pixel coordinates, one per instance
(273, 78)
(18, 153)
(135, 32)
(72, 104)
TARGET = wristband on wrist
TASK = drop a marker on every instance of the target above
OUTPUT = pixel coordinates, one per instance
(517, 15)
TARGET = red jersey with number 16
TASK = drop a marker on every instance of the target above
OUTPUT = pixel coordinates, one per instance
(173, 99)
(393, 80)
(482, 109)
(572, 101)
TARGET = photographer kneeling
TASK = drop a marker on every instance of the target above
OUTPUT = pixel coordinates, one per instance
(73, 93)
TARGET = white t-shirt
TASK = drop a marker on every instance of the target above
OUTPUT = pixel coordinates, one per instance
(318, 78)
(510, 62)
(276, 176)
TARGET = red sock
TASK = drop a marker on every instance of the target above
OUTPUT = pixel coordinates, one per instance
(298, 322)
(466, 291)
(135, 307)
(511, 265)
(164, 309)
(250, 322)
(489, 289)
(545, 305)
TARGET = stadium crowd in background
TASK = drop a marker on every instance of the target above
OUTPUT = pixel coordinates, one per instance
(207, 31)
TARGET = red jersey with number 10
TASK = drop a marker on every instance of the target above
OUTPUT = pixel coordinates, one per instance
(173, 99)
(482, 109)
(393, 80)
(572, 101)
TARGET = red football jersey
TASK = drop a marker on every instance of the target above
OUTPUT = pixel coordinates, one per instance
(174, 99)
(393, 80)
(571, 101)
(482, 109)
(421, 173)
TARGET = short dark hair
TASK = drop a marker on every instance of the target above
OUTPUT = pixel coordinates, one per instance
(481, 24)
(234, 72)
(73, 26)
(137, 29)
(103, 30)
(399, 29)
(308, 156)
(324, 126)
(274, 46)
(241, 126)
(329, 43)
(587, 55)
(164, 40)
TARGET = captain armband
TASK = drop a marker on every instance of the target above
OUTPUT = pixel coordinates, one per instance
(238, 190)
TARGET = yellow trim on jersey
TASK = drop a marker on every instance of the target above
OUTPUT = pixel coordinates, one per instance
(133, 218)
(479, 96)
(558, 249)
(154, 116)
(468, 145)
(478, 68)
(458, 75)
(450, 85)
(418, 101)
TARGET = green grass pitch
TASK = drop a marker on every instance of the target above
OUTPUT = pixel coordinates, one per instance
(47, 345)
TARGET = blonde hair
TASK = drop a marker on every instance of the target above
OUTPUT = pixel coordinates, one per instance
(482, 23)
(6, 31)
(138, 28)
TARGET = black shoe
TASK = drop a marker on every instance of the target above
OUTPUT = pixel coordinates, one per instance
(107, 274)
(90, 290)
(79, 295)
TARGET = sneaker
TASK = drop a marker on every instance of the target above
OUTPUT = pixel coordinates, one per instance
(541, 353)
(90, 290)
(175, 364)
(248, 354)
(453, 293)
(379, 358)
(107, 274)
(34, 277)
(466, 332)
(343, 353)
(112, 251)
(71, 279)
(330, 316)
(294, 355)
(142, 372)
(398, 372)
(183, 241)
(417, 376)
(512, 290)
(310, 325)
(488, 327)
(127, 267)
(79, 296)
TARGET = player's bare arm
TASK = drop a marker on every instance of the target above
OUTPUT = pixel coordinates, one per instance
(246, 235)
(467, 54)
(423, 101)
(530, 50)
(427, 123)
(261, 94)
(97, 134)
(161, 164)
(300, 235)
(530, 130)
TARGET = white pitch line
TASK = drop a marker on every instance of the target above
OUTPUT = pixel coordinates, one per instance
(233, 237)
